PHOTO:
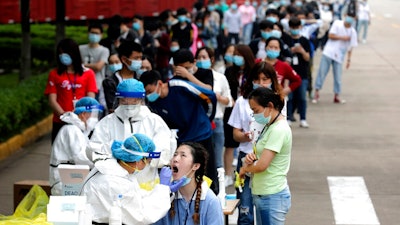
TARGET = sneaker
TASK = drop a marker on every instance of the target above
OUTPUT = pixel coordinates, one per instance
(228, 181)
(234, 162)
(316, 97)
(364, 41)
(339, 101)
(304, 124)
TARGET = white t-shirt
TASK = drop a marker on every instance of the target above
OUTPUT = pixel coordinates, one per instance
(242, 118)
(221, 87)
(363, 11)
(337, 49)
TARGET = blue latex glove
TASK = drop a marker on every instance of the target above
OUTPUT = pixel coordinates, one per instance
(165, 176)
(175, 185)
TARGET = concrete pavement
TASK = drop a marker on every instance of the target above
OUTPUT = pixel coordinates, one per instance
(359, 138)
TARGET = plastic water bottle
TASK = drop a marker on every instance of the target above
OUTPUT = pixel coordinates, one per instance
(221, 181)
(115, 217)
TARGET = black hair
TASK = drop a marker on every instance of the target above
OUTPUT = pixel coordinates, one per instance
(150, 59)
(276, 39)
(95, 25)
(150, 77)
(127, 47)
(182, 56)
(209, 51)
(294, 22)
(181, 11)
(272, 11)
(164, 15)
(269, 71)
(263, 96)
(71, 48)
(138, 16)
(264, 24)
(116, 19)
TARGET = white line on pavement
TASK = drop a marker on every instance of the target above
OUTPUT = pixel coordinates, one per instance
(351, 202)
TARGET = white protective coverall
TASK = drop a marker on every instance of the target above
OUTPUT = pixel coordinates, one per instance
(69, 147)
(108, 180)
(112, 128)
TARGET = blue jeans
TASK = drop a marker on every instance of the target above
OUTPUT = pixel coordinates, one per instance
(323, 71)
(218, 142)
(362, 24)
(247, 31)
(272, 209)
(246, 208)
(298, 99)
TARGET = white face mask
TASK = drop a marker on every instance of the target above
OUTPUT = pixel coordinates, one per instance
(91, 123)
(127, 111)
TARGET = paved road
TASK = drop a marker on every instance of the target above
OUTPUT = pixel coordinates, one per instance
(359, 138)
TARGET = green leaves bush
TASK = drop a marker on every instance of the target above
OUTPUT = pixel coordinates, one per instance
(23, 106)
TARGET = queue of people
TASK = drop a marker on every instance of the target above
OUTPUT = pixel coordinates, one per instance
(160, 110)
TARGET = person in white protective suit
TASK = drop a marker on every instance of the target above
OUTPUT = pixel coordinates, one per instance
(118, 178)
(130, 117)
(70, 144)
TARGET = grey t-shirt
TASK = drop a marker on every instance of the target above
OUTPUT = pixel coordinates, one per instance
(93, 55)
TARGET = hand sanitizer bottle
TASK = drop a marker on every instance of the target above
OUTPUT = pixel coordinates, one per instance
(115, 217)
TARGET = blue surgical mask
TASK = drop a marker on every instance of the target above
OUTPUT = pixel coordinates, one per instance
(349, 20)
(261, 119)
(204, 64)
(187, 180)
(210, 8)
(152, 97)
(273, 54)
(238, 60)
(182, 18)
(234, 6)
(283, 2)
(303, 22)
(255, 86)
(272, 19)
(115, 67)
(94, 38)
(140, 72)
(255, 4)
(294, 32)
(199, 24)
(135, 65)
(174, 48)
(136, 26)
(276, 33)
(266, 35)
(65, 59)
(299, 3)
(228, 58)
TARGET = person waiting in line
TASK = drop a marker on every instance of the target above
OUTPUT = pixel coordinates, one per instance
(183, 31)
(69, 147)
(194, 202)
(246, 130)
(94, 55)
(270, 161)
(257, 45)
(130, 55)
(130, 117)
(205, 59)
(68, 83)
(162, 43)
(147, 65)
(232, 24)
(145, 37)
(119, 178)
(187, 107)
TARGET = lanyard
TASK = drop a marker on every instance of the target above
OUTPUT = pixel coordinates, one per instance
(262, 132)
(187, 213)
(73, 85)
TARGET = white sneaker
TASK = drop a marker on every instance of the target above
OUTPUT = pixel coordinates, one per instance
(304, 124)
(234, 162)
(364, 41)
(228, 181)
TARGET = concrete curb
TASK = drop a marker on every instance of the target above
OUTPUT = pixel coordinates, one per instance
(28, 136)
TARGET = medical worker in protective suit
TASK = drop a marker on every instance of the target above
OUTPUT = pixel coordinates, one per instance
(70, 144)
(118, 177)
(130, 117)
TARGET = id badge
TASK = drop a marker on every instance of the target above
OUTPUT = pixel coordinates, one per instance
(295, 60)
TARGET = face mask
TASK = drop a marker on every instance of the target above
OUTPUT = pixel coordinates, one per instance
(135, 65)
(234, 6)
(238, 60)
(272, 19)
(264, 3)
(255, 86)
(65, 59)
(273, 54)
(276, 33)
(299, 3)
(211, 8)
(152, 97)
(191, 71)
(349, 20)
(261, 119)
(199, 24)
(204, 64)
(94, 38)
(294, 32)
(182, 19)
(127, 111)
(303, 22)
(255, 4)
(115, 67)
(325, 7)
(228, 58)
(140, 72)
(283, 2)
(276, 4)
(91, 123)
(136, 26)
(174, 48)
(247, 3)
(265, 35)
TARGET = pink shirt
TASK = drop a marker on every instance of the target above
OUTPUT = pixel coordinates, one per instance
(247, 13)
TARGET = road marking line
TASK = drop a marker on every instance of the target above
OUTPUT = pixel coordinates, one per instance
(351, 202)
